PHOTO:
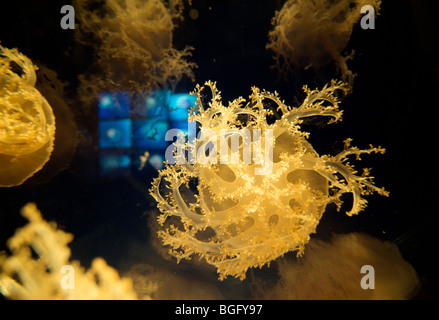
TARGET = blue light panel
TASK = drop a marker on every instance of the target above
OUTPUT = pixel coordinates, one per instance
(115, 133)
(115, 163)
(179, 104)
(151, 105)
(150, 134)
(114, 105)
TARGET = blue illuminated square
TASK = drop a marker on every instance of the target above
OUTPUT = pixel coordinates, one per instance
(115, 133)
(189, 128)
(150, 134)
(151, 105)
(179, 105)
(114, 105)
(115, 163)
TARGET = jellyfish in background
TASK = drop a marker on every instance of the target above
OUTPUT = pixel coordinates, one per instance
(39, 267)
(314, 33)
(133, 42)
(67, 133)
(237, 217)
(332, 270)
(27, 123)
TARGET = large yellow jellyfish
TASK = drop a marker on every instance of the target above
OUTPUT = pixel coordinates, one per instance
(133, 42)
(314, 33)
(27, 123)
(249, 209)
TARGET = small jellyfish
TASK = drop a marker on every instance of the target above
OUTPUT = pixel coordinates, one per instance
(248, 209)
(314, 33)
(27, 123)
(133, 43)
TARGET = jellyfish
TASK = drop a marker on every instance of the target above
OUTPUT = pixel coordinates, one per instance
(27, 123)
(133, 43)
(315, 33)
(248, 205)
(39, 267)
(67, 133)
(333, 270)
(169, 284)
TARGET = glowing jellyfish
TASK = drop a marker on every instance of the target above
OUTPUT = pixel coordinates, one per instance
(27, 123)
(133, 41)
(333, 270)
(39, 267)
(314, 33)
(240, 213)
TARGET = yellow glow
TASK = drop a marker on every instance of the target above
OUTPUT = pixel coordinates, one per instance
(133, 40)
(330, 270)
(23, 277)
(27, 123)
(237, 219)
(314, 33)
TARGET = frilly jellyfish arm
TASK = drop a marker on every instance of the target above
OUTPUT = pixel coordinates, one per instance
(178, 206)
(28, 68)
(314, 103)
(352, 183)
(218, 115)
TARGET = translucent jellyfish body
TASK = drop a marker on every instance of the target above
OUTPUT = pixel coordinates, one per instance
(330, 270)
(314, 33)
(133, 42)
(27, 123)
(241, 214)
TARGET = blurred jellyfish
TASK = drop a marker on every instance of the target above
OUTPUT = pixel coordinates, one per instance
(67, 133)
(40, 267)
(314, 33)
(133, 42)
(27, 123)
(163, 283)
(333, 270)
(156, 161)
(143, 158)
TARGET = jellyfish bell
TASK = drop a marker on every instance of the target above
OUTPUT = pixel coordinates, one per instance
(158, 37)
(237, 218)
(133, 42)
(27, 122)
(314, 34)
